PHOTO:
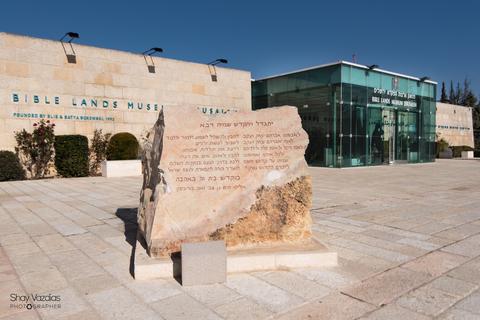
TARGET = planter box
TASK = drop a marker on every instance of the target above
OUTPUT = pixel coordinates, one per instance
(467, 154)
(447, 154)
(121, 168)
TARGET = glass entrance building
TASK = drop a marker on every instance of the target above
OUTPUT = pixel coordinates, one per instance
(357, 115)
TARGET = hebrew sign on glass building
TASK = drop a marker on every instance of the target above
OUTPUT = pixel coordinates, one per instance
(356, 115)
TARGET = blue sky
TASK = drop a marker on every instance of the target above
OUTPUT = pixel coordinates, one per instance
(440, 39)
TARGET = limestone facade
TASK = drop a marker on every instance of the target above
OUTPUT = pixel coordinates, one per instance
(454, 124)
(105, 89)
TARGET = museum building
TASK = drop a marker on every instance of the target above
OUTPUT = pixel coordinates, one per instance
(455, 124)
(82, 88)
(357, 115)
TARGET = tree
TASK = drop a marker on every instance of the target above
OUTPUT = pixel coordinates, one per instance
(476, 127)
(98, 150)
(465, 91)
(35, 150)
(461, 95)
(468, 99)
(476, 117)
(451, 96)
(444, 97)
(458, 94)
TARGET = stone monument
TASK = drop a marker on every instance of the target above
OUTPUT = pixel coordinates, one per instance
(238, 176)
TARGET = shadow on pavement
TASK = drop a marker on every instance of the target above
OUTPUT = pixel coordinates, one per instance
(129, 218)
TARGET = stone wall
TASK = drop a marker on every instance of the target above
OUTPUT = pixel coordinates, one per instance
(105, 89)
(454, 124)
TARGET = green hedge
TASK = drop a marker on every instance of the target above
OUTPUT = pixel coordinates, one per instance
(10, 167)
(457, 150)
(440, 146)
(122, 146)
(71, 155)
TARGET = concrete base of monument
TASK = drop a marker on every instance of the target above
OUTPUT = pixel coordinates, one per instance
(274, 257)
(121, 168)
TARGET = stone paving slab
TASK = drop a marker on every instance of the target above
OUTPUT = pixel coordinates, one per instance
(395, 312)
(334, 306)
(436, 263)
(427, 301)
(407, 237)
(385, 287)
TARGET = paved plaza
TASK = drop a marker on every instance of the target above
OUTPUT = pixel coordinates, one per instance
(408, 239)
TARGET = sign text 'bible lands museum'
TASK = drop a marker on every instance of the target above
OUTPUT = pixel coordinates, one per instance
(104, 89)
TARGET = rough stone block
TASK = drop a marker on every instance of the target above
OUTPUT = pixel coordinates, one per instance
(246, 196)
(204, 263)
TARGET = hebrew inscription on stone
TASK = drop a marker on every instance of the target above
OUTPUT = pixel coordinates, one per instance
(239, 176)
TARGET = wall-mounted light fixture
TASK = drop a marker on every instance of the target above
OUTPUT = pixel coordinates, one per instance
(373, 66)
(213, 69)
(71, 56)
(150, 53)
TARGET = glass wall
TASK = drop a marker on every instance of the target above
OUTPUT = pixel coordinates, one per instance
(355, 116)
(313, 92)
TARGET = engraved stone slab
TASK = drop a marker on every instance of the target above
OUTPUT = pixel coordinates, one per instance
(240, 177)
(204, 263)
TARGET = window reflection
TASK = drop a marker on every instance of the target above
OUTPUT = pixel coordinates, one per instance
(356, 117)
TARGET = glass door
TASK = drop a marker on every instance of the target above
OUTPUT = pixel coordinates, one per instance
(375, 136)
(402, 137)
(389, 125)
(407, 145)
(381, 133)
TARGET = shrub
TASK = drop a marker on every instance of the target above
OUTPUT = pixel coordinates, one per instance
(98, 150)
(10, 167)
(441, 146)
(457, 150)
(122, 146)
(71, 155)
(35, 150)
